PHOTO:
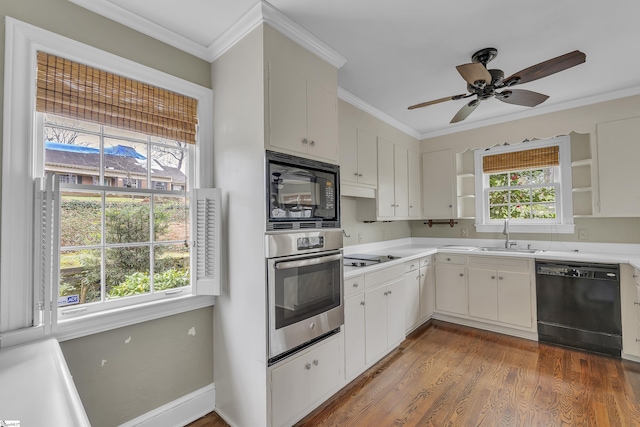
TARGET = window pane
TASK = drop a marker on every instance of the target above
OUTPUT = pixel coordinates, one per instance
(79, 277)
(498, 212)
(72, 154)
(127, 219)
(520, 196)
(169, 166)
(544, 211)
(521, 211)
(544, 194)
(171, 267)
(127, 271)
(171, 218)
(498, 180)
(80, 219)
(50, 119)
(498, 197)
(126, 163)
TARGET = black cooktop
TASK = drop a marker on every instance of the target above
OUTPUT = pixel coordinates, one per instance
(364, 260)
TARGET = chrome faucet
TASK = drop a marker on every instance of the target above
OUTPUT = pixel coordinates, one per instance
(506, 233)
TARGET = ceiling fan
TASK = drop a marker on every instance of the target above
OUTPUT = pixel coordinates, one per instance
(484, 83)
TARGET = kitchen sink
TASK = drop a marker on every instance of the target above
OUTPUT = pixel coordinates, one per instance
(512, 250)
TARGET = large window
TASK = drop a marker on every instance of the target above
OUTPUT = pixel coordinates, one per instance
(528, 183)
(124, 249)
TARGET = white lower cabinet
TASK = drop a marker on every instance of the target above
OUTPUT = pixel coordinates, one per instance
(630, 310)
(419, 292)
(302, 382)
(384, 319)
(427, 289)
(354, 327)
(451, 284)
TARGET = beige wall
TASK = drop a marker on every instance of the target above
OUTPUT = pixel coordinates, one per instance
(162, 362)
(582, 120)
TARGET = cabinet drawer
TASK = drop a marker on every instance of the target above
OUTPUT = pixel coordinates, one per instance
(353, 285)
(451, 259)
(383, 276)
(411, 265)
(500, 263)
(425, 261)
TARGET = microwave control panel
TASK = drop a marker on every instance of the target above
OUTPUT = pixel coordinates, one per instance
(313, 242)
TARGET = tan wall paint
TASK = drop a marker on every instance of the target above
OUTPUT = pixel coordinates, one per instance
(582, 120)
(135, 378)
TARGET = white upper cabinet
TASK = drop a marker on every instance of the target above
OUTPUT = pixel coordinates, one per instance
(415, 205)
(618, 153)
(302, 102)
(358, 156)
(438, 189)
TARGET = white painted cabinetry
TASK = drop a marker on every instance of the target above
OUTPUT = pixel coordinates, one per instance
(618, 148)
(414, 185)
(419, 292)
(427, 288)
(438, 189)
(451, 283)
(302, 108)
(630, 300)
(354, 326)
(358, 156)
(304, 380)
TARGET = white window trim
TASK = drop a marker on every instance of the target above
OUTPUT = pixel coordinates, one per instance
(562, 224)
(22, 41)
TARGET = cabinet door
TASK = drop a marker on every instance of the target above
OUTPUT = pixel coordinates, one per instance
(375, 313)
(348, 152)
(618, 153)
(438, 185)
(354, 334)
(395, 316)
(289, 389)
(327, 364)
(427, 292)
(514, 298)
(322, 122)
(386, 185)
(415, 205)
(287, 109)
(451, 288)
(401, 181)
(367, 158)
(483, 294)
(412, 299)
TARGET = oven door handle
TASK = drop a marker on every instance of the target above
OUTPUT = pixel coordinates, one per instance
(309, 261)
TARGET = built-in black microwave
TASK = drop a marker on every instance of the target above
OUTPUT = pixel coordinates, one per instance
(301, 193)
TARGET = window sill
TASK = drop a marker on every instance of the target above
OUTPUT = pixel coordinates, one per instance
(529, 228)
(107, 320)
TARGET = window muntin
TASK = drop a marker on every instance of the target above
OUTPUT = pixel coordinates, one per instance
(523, 194)
(121, 239)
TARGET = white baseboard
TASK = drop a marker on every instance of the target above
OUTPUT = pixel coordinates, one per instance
(179, 412)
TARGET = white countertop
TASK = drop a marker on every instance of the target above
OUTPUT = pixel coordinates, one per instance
(411, 248)
(37, 388)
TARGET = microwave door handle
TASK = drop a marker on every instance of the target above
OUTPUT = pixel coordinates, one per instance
(306, 262)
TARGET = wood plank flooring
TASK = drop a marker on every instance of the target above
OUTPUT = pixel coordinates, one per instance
(451, 375)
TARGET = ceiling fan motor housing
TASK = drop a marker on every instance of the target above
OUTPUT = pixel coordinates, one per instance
(484, 56)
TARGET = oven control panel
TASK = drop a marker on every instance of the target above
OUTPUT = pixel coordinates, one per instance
(310, 242)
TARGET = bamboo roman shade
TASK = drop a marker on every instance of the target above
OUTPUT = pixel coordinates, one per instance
(67, 88)
(521, 160)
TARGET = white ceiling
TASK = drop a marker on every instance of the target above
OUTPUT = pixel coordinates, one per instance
(404, 52)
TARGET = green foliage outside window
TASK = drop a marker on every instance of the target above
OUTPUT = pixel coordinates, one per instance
(522, 194)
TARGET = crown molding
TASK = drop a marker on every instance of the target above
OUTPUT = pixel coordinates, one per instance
(347, 96)
(582, 102)
(262, 12)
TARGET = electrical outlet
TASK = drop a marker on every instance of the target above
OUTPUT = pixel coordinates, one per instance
(583, 234)
(360, 237)
(465, 232)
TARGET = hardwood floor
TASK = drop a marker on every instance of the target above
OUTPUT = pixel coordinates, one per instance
(450, 375)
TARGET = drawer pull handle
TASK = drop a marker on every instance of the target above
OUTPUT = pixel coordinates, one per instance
(448, 259)
(361, 302)
(355, 285)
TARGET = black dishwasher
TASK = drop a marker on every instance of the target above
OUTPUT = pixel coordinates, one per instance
(578, 305)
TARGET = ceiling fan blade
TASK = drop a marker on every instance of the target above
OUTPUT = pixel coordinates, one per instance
(522, 97)
(546, 68)
(464, 112)
(437, 101)
(474, 73)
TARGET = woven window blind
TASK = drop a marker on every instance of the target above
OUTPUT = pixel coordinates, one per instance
(67, 88)
(520, 160)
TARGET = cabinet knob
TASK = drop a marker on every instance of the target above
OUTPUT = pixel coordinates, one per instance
(500, 278)
(312, 143)
(356, 174)
(422, 275)
(361, 302)
(307, 366)
(493, 277)
(359, 174)
(448, 259)
(315, 362)
(637, 340)
(461, 274)
(305, 141)
(411, 206)
(450, 206)
(386, 293)
(355, 285)
(636, 303)
(389, 292)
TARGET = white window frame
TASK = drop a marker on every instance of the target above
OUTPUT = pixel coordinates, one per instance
(563, 223)
(19, 164)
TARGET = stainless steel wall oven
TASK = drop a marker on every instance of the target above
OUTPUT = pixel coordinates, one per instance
(304, 289)
(301, 193)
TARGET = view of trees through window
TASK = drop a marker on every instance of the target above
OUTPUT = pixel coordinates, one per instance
(524, 194)
(124, 219)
